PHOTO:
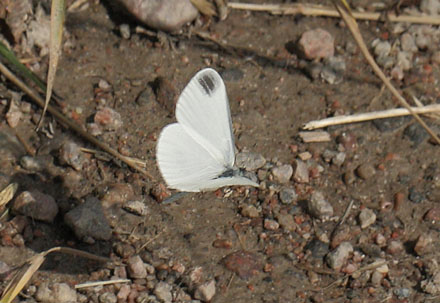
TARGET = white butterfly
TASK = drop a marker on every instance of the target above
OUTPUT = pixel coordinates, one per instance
(197, 153)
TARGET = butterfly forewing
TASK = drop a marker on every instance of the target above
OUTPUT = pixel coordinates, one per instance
(203, 111)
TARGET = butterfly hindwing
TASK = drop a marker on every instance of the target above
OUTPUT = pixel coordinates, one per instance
(184, 163)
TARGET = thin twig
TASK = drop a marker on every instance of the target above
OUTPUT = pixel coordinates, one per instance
(101, 283)
(389, 113)
(60, 117)
(346, 213)
(148, 242)
(371, 266)
(29, 149)
(318, 10)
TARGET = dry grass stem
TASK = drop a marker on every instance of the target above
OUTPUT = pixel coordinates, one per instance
(7, 194)
(389, 113)
(101, 283)
(135, 161)
(371, 266)
(316, 136)
(318, 10)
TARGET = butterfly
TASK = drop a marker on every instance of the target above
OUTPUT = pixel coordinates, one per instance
(197, 153)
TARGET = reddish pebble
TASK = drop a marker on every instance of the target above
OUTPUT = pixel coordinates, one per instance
(268, 267)
(243, 263)
(160, 192)
(317, 43)
(423, 245)
(222, 243)
(399, 198)
(427, 68)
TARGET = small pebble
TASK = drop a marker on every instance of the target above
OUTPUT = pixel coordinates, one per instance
(318, 248)
(408, 43)
(88, 220)
(402, 293)
(271, 224)
(339, 159)
(108, 297)
(104, 85)
(376, 278)
(301, 172)
(163, 292)
(136, 268)
(250, 211)
(282, 173)
(58, 293)
(414, 195)
(349, 177)
(395, 247)
(205, 292)
(337, 258)
(431, 285)
(404, 60)
(305, 156)
(371, 250)
(423, 244)
(124, 29)
(380, 240)
(365, 171)
(14, 114)
(117, 194)
(319, 207)
(222, 243)
(36, 205)
(166, 15)
(286, 222)
(430, 7)
(381, 48)
(317, 43)
(123, 293)
(415, 133)
(314, 69)
(244, 264)
(31, 163)
(145, 97)
(108, 119)
(136, 207)
(288, 195)
(250, 161)
(70, 154)
(367, 217)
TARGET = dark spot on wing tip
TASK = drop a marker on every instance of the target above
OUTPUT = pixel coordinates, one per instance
(208, 82)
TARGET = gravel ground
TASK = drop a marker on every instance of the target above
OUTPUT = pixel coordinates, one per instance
(352, 218)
